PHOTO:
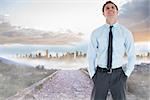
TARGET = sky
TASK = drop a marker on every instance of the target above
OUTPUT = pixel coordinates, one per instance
(54, 15)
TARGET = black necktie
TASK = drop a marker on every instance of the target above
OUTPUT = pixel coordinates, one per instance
(110, 47)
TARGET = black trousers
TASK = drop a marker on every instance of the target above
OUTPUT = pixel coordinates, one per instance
(104, 82)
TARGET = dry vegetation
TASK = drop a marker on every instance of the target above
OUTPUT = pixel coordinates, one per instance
(14, 78)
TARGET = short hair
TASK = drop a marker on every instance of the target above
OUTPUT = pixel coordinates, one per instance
(108, 3)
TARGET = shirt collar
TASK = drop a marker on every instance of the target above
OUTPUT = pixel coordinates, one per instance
(114, 25)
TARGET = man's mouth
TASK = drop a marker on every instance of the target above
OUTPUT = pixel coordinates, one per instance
(110, 12)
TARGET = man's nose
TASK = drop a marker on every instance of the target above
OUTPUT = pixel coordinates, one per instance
(110, 10)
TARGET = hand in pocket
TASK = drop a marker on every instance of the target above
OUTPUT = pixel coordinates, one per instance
(124, 75)
(94, 77)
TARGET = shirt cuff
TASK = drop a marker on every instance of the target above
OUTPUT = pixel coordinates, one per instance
(91, 73)
(128, 73)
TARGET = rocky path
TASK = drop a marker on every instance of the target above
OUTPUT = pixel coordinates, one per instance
(65, 85)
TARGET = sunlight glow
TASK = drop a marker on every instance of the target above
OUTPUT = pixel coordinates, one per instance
(53, 15)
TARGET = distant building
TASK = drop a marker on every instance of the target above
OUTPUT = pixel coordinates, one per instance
(46, 53)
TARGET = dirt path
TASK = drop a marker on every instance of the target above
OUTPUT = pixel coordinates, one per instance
(66, 85)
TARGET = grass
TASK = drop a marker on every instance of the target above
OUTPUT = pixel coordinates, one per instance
(39, 87)
(14, 78)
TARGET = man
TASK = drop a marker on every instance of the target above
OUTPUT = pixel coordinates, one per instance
(106, 50)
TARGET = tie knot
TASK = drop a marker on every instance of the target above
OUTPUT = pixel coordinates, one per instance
(110, 27)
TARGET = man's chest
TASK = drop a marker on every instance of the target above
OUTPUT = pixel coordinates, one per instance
(118, 39)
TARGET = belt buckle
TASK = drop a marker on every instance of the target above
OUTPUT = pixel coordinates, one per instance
(110, 71)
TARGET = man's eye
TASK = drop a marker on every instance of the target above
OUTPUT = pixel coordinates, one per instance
(112, 7)
(107, 8)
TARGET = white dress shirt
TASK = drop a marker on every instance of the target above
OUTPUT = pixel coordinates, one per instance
(123, 42)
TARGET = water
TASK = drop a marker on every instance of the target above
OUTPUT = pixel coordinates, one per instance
(54, 64)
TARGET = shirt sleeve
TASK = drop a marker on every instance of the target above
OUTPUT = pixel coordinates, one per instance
(130, 50)
(91, 54)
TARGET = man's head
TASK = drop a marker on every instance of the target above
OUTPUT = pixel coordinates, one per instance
(110, 9)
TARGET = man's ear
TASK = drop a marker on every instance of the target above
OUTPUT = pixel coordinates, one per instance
(103, 13)
(117, 12)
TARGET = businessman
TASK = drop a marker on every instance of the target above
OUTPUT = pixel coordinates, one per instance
(107, 47)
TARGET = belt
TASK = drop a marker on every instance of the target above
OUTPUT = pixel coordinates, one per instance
(109, 71)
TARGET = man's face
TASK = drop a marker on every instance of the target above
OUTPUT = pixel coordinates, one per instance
(110, 11)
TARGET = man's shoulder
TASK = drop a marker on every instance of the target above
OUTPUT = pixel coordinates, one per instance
(124, 28)
(127, 33)
(98, 29)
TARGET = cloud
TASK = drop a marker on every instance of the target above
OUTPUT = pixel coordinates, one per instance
(4, 18)
(136, 14)
(136, 8)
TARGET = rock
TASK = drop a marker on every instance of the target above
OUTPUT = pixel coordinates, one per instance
(40, 67)
(1, 75)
